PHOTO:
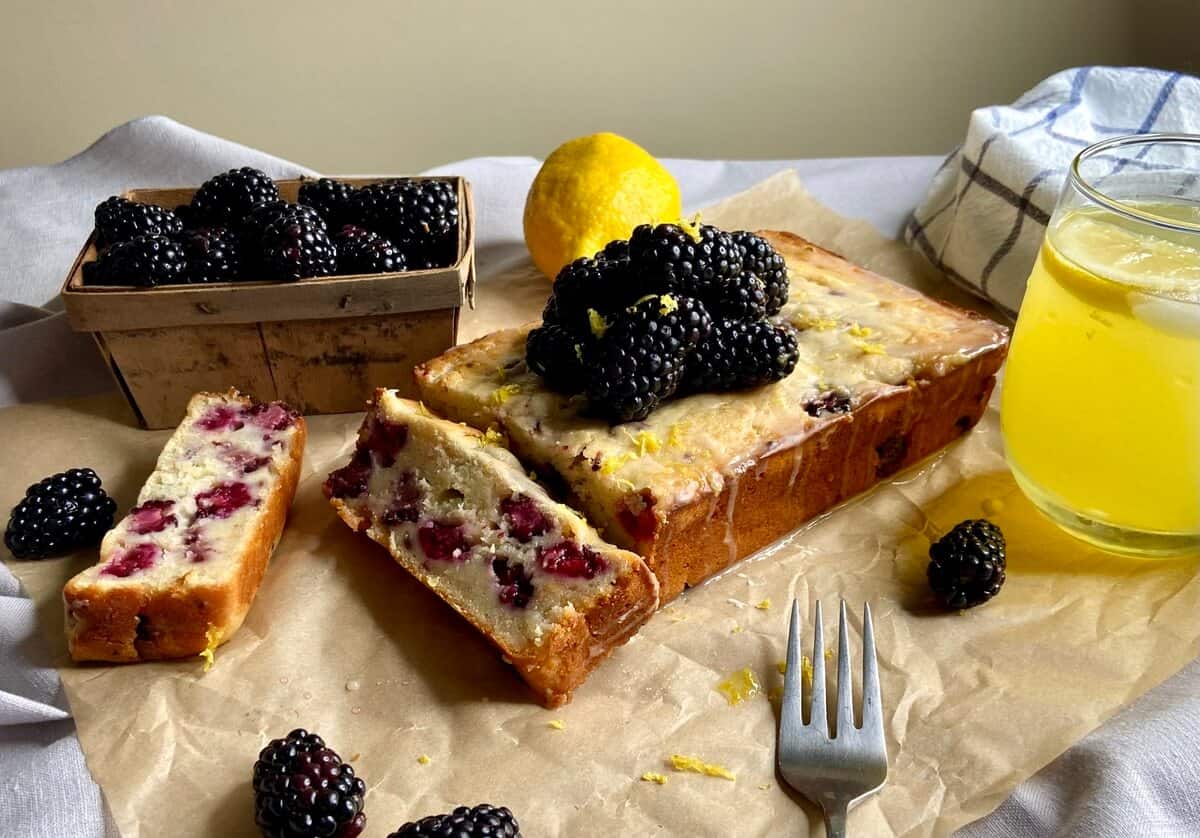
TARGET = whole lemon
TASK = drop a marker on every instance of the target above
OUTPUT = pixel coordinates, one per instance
(590, 191)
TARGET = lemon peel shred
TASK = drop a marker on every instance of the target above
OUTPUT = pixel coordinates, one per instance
(737, 629)
(505, 392)
(597, 323)
(782, 667)
(424, 759)
(860, 331)
(491, 436)
(646, 441)
(212, 639)
(627, 485)
(739, 686)
(764, 604)
(868, 348)
(674, 438)
(653, 777)
(692, 227)
(557, 724)
(613, 462)
(667, 304)
(697, 766)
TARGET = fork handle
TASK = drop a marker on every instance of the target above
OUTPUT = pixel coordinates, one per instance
(835, 818)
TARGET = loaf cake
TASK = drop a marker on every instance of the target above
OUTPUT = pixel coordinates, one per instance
(178, 573)
(457, 511)
(885, 377)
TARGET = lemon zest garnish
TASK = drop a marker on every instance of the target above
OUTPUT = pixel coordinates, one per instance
(642, 299)
(765, 786)
(782, 667)
(763, 605)
(613, 462)
(692, 228)
(667, 304)
(597, 322)
(501, 373)
(578, 351)
(424, 759)
(557, 724)
(697, 766)
(645, 441)
(870, 348)
(860, 331)
(491, 436)
(737, 629)
(505, 392)
(627, 485)
(652, 777)
(817, 324)
(212, 639)
(806, 669)
(673, 436)
(739, 686)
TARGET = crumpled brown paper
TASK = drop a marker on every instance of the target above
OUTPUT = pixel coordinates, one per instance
(341, 641)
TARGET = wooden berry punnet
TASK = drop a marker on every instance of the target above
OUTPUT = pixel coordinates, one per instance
(321, 344)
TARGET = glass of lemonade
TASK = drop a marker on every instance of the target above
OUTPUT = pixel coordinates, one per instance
(1101, 397)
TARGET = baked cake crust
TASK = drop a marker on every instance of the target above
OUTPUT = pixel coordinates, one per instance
(886, 377)
(128, 623)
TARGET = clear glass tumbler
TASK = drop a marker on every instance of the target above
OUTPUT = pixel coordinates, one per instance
(1101, 397)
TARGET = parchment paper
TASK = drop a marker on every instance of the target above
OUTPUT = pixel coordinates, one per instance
(341, 641)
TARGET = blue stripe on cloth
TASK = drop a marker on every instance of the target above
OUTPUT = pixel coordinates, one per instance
(1011, 239)
(1001, 191)
(1160, 101)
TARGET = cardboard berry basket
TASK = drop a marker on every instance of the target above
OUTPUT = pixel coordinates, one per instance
(321, 344)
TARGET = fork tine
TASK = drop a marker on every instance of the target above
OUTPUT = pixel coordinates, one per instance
(845, 689)
(872, 711)
(817, 713)
(791, 717)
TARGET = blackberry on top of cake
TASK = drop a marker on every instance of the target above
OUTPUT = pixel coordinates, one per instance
(675, 309)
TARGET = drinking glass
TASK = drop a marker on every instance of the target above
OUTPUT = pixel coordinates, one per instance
(1101, 397)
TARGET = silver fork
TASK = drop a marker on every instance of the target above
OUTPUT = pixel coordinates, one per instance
(834, 772)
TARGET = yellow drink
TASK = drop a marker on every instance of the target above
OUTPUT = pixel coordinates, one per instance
(1101, 397)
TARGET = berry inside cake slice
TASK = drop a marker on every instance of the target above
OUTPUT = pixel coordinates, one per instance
(457, 510)
(178, 573)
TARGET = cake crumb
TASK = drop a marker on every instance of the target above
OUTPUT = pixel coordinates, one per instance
(764, 604)
(557, 724)
(765, 786)
(424, 759)
(212, 639)
(491, 436)
(739, 686)
(504, 392)
(652, 777)
(697, 766)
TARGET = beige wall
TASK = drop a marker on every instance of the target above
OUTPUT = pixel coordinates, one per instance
(403, 85)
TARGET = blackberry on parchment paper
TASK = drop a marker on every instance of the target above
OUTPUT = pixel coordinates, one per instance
(482, 821)
(967, 565)
(58, 514)
(145, 261)
(302, 789)
(119, 220)
(227, 198)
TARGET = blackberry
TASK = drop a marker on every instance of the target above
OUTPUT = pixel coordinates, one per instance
(557, 356)
(600, 284)
(227, 197)
(615, 251)
(421, 217)
(482, 821)
(760, 259)
(119, 220)
(669, 255)
(145, 261)
(743, 297)
(431, 212)
(294, 247)
(188, 216)
(265, 213)
(738, 354)
(967, 564)
(302, 789)
(327, 196)
(640, 360)
(58, 514)
(213, 254)
(360, 251)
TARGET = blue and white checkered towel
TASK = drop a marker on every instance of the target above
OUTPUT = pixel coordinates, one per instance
(983, 218)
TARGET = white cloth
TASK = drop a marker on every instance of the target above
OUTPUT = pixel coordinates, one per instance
(982, 220)
(1135, 776)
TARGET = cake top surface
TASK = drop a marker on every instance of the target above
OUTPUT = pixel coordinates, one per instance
(861, 337)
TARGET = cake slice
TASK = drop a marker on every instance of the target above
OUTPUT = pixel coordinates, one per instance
(459, 513)
(178, 573)
(885, 377)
